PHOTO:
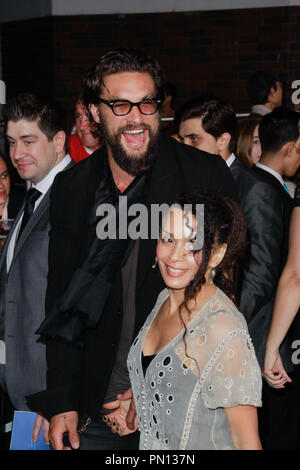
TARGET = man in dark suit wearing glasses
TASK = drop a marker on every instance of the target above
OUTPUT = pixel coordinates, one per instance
(100, 291)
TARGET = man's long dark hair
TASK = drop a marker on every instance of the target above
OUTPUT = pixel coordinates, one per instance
(117, 61)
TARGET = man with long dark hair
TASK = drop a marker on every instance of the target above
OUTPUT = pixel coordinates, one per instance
(100, 290)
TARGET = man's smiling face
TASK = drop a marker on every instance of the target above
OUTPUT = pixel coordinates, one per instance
(132, 138)
(31, 152)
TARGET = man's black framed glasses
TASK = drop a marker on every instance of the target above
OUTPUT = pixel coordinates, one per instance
(122, 107)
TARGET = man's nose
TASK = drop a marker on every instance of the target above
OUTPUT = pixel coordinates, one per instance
(84, 123)
(135, 114)
(17, 151)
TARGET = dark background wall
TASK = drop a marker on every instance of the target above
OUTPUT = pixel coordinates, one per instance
(199, 51)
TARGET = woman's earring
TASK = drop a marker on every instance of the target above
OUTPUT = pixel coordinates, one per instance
(154, 266)
(212, 275)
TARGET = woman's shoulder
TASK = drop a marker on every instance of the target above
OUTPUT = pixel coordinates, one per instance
(223, 317)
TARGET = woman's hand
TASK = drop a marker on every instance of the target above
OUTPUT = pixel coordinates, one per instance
(273, 370)
(123, 419)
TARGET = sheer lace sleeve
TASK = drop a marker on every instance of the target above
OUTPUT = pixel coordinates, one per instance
(232, 375)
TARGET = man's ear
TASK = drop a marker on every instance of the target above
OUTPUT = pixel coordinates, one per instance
(223, 141)
(288, 149)
(94, 112)
(59, 141)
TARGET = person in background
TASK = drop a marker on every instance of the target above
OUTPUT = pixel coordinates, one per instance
(11, 196)
(86, 138)
(265, 91)
(195, 378)
(210, 123)
(4, 188)
(248, 148)
(287, 304)
(35, 132)
(279, 136)
(167, 108)
(286, 312)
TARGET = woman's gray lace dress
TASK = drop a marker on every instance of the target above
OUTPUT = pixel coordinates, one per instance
(181, 399)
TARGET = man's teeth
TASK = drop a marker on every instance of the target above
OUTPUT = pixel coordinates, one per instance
(135, 131)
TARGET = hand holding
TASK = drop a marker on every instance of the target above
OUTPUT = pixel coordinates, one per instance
(61, 423)
(117, 420)
(273, 370)
(131, 415)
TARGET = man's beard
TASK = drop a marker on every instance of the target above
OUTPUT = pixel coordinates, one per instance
(133, 164)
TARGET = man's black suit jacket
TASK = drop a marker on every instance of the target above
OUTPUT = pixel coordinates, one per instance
(16, 198)
(78, 379)
(267, 207)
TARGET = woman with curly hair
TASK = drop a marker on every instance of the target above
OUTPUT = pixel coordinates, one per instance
(194, 374)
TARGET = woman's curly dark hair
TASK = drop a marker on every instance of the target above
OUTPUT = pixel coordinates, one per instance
(224, 222)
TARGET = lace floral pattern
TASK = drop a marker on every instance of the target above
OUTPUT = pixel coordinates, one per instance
(181, 399)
